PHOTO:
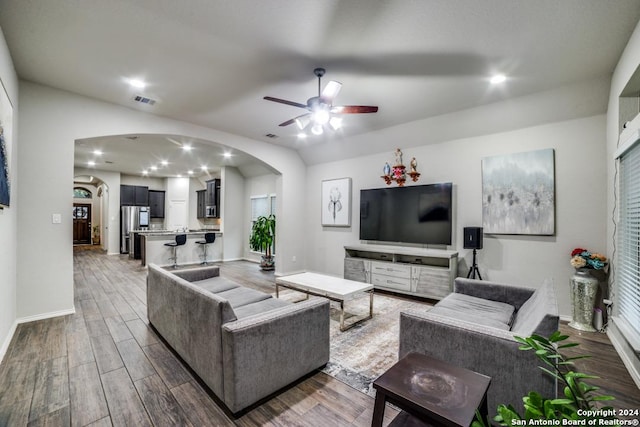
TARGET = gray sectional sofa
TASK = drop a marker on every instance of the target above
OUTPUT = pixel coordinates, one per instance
(244, 344)
(474, 327)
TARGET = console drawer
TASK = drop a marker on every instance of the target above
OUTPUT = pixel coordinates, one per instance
(391, 269)
(391, 282)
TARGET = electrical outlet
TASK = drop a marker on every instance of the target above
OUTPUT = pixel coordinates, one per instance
(293, 258)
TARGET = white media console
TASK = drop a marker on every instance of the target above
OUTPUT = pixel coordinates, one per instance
(427, 273)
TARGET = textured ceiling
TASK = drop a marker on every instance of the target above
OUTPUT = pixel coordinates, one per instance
(210, 62)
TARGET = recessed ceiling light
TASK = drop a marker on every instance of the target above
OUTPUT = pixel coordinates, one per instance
(179, 175)
(164, 163)
(302, 135)
(186, 147)
(154, 168)
(498, 78)
(137, 83)
(227, 155)
(204, 168)
(91, 163)
(145, 172)
(97, 152)
(190, 172)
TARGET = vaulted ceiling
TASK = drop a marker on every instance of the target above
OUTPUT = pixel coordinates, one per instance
(211, 62)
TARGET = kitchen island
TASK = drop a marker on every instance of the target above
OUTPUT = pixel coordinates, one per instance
(155, 252)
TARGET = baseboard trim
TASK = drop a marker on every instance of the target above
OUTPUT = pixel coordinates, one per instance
(565, 318)
(46, 315)
(7, 341)
(623, 348)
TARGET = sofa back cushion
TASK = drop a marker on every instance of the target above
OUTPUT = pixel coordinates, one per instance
(480, 311)
(539, 314)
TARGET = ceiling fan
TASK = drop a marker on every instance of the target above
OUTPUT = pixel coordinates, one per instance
(321, 110)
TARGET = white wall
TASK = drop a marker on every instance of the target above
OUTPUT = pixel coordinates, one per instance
(51, 120)
(233, 207)
(522, 260)
(153, 183)
(625, 70)
(9, 216)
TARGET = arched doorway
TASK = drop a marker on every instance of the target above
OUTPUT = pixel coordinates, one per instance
(90, 202)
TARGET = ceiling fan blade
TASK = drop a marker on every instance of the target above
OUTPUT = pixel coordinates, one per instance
(292, 121)
(354, 109)
(284, 101)
(331, 90)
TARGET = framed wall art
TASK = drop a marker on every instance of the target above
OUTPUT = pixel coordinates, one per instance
(6, 121)
(336, 202)
(518, 193)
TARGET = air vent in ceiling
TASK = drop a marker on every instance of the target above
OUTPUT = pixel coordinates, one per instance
(109, 162)
(271, 135)
(144, 100)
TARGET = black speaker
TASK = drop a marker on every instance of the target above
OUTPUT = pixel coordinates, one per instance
(473, 238)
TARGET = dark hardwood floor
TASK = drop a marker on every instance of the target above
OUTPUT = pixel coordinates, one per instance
(105, 366)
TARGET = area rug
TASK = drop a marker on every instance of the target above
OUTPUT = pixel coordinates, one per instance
(361, 354)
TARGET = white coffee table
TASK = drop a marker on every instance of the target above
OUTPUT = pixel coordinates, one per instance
(333, 288)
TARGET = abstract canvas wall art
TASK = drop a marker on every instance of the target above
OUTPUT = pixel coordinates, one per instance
(518, 193)
(6, 121)
(336, 202)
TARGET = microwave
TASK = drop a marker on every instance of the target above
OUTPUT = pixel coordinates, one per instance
(210, 212)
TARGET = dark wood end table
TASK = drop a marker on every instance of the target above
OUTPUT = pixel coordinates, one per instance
(432, 391)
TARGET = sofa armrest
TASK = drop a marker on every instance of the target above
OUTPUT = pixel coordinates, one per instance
(486, 350)
(509, 294)
(266, 352)
(199, 273)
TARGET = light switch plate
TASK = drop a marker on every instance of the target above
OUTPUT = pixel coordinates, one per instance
(56, 218)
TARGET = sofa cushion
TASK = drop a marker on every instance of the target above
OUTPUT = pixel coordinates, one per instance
(531, 316)
(216, 284)
(240, 296)
(259, 307)
(476, 310)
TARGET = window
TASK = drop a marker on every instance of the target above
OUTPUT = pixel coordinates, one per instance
(80, 212)
(81, 193)
(627, 307)
(263, 205)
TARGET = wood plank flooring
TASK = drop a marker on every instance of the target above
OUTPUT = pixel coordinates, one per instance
(105, 366)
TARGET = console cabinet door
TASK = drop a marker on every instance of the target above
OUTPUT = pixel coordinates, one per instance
(357, 269)
(431, 282)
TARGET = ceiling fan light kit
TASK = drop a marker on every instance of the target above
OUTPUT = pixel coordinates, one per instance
(322, 113)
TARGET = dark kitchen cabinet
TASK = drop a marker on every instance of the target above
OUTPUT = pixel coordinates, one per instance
(213, 197)
(134, 195)
(201, 204)
(156, 203)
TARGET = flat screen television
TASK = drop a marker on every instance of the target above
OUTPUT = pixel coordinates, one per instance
(415, 214)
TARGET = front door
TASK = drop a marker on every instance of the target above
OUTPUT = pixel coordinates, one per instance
(81, 224)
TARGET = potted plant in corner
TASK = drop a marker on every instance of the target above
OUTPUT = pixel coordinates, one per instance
(262, 238)
(96, 234)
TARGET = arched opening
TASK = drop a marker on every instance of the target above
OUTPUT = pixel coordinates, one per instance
(176, 169)
(90, 206)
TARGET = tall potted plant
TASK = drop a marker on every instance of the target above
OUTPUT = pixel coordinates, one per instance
(262, 238)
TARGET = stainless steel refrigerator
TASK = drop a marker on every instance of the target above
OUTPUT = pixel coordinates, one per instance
(132, 218)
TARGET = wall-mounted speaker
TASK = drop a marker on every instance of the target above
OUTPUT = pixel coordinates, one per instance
(472, 238)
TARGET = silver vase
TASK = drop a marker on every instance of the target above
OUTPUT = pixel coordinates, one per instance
(583, 298)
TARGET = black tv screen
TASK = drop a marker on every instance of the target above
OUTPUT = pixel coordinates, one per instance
(415, 214)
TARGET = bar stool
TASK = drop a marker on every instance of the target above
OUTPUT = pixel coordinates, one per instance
(181, 239)
(208, 239)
